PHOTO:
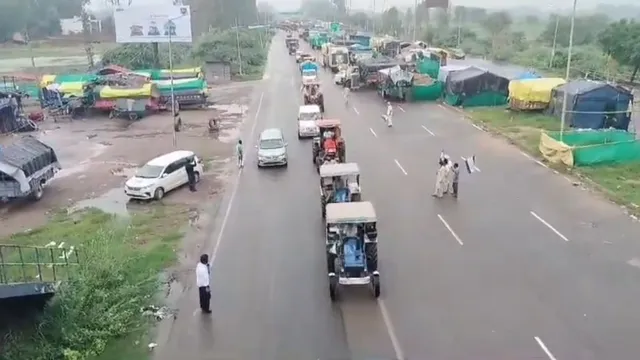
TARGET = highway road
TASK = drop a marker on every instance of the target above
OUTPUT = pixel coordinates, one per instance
(524, 265)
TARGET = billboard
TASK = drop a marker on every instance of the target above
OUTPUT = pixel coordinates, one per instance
(153, 24)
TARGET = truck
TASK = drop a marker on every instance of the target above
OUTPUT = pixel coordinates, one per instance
(334, 56)
(361, 39)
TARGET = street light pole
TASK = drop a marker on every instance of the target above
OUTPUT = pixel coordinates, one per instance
(173, 94)
(555, 37)
(415, 19)
(563, 117)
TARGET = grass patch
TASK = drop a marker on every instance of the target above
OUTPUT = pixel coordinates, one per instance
(50, 50)
(523, 128)
(619, 182)
(96, 314)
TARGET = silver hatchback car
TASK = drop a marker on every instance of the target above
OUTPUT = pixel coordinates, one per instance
(272, 148)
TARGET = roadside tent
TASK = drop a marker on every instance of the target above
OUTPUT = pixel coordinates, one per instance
(532, 94)
(593, 105)
(448, 69)
(476, 87)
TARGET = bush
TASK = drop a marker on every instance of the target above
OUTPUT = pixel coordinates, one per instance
(141, 56)
(223, 45)
(101, 303)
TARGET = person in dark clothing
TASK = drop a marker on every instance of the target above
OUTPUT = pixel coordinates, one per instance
(191, 176)
(202, 281)
(456, 178)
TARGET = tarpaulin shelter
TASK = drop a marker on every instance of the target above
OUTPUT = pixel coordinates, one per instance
(164, 74)
(593, 105)
(528, 75)
(590, 147)
(476, 87)
(448, 69)
(532, 94)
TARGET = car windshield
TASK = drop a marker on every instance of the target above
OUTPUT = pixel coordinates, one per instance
(271, 144)
(309, 116)
(149, 171)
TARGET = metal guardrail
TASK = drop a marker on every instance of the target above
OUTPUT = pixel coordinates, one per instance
(36, 264)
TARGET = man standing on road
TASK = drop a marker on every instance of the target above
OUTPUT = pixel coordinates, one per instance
(240, 154)
(456, 179)
(441, 179)
(191, 176)
(202, 281)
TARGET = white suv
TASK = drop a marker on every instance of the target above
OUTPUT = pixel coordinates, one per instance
(161, 175)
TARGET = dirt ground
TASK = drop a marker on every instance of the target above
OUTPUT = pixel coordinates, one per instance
(99, 154)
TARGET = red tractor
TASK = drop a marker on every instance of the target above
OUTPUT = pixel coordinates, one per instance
(329, 146)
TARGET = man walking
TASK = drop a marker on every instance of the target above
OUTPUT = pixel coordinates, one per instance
(202, 281)
(191, 176)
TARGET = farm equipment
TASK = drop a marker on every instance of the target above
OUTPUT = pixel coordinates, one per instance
(339, 183)
(329, 147)
(352, 247)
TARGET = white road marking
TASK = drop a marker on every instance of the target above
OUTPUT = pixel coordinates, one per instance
(356, 110)
(427, 130)
(455, 236)
(390, 330)
(400, 107)
(442, 107)
(541, 163)
(549, 226)
(373, 132)
(526, 155)
(477, 127)
(544, 348)
(234, 192)
(400, 166)
(568, 179)
(236, 185)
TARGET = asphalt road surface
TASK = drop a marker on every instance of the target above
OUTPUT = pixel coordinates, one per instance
(524, 265)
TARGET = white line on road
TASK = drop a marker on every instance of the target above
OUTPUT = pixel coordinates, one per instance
(400, 107)
(441, 107)
(450, 229)
(541, 164)
(236, 185)
(427, 130)
(400, 166)
(373, 132)
(356, 110)
(549, 226)
(544, 348)
(390, 330)
(526, 155)
(477, 127)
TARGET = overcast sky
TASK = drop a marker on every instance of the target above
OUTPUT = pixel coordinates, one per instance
(291, 5)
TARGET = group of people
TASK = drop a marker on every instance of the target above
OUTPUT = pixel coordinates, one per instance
(447, 177)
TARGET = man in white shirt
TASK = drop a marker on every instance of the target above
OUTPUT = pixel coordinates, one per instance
(202, 281)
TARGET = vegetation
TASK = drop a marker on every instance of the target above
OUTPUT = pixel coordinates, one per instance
(118, 275)
(216, 45)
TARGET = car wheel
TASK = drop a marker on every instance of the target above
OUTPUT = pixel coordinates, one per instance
(286, 164)
(158, 194)
(38, 192)
(299, 137)
(196, 176)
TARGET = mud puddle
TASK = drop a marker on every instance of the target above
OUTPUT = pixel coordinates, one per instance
(114, 201)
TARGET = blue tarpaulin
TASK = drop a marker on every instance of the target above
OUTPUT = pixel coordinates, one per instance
(528, 75)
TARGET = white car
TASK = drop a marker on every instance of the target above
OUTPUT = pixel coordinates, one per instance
(161, 175)
(307, 116)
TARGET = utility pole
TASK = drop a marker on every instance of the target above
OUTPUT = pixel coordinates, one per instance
(86, 32)
(415, 20)
(555, 37)
(565, 98)
(238, 46)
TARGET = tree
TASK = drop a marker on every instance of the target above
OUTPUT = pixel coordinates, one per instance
(586, 29)
(360, 19)
(497, 22)
(531, 19)
(391, 22)
(621, 41)
(459, 14)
